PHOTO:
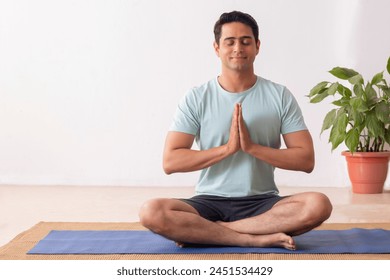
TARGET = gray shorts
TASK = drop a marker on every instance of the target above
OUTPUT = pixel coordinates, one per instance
(228, 209)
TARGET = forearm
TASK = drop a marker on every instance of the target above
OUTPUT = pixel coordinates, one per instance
(187, 160)
(295, 158)
(298, 156)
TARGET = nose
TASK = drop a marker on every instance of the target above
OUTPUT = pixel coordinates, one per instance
(237, 47)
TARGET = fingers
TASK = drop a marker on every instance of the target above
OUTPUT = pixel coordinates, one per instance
(240, 118)
(233, 144)
(245, 140)
(235, 133)
(235, 126)
(239, 138)
(240, 122)
(236, 114)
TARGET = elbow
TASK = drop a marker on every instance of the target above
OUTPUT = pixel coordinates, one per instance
(309, 169)
(167, 167)
(308, 161)
(309, 166)
(167, 171)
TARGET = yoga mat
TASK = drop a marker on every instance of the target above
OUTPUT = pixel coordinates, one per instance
(351, 241)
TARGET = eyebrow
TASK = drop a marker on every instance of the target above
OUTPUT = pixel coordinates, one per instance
(234, 38)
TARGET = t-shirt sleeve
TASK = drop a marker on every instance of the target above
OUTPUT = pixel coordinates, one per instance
(292, 118)
(186, 117)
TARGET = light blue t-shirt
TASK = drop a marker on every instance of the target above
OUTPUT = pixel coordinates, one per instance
(268, 109)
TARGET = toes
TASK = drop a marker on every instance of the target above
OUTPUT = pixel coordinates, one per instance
(290, 247)
(291, 244)
(287, 242)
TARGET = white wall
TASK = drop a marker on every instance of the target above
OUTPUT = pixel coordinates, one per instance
(88, 88)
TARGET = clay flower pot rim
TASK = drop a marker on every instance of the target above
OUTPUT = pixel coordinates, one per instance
(366, 154)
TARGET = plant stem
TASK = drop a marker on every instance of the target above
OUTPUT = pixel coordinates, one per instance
(368, 144)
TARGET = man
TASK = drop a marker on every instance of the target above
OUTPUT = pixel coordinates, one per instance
(237, 120)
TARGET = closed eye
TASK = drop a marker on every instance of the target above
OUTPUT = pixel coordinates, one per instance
(246, 42)
(229, 42)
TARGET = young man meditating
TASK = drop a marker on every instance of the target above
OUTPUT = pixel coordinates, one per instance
(237, 120)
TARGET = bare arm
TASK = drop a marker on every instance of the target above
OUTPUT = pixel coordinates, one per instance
(299, 154)
(179, 157)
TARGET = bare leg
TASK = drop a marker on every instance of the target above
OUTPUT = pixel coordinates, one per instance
(180, 222)
(293, 215)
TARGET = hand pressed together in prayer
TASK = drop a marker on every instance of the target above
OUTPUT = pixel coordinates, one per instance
(239, 138)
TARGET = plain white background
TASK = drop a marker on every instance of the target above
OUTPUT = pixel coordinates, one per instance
(88, 88)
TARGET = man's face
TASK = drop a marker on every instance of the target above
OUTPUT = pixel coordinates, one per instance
(237, 47)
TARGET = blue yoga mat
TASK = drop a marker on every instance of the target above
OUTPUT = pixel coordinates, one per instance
(353, 241)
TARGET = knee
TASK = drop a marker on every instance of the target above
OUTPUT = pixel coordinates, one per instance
(316, 209)
(320, 207)
(151, 214)
(325, 206)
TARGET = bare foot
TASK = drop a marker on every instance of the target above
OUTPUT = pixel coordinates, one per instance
(279, 240)
(268, 240)
(273, 240)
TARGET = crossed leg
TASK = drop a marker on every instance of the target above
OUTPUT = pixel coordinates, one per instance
(293, 215)
(180, 222)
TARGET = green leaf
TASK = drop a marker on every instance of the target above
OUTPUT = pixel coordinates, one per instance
(358, 90)
(352, 139)
(355, 103)
(342, 122)
(341, 102)
(386, 90)
(329, 120)
(319, 97)
(387, 136)
(388, 65)
(358, 120)
(343, 73)
(358, 104)
(357, 79)
(336, 138)
(315, 90)
(338, 102)
(344, 91)
(375, 127)
(377, 78)
(382, 111)
(371, 94)
(333, 88)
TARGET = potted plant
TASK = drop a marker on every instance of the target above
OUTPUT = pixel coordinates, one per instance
(361, 120)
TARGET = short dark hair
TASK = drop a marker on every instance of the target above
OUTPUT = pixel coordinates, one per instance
(235, 16)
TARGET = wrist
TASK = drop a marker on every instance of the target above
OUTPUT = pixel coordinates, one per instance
(251, 149)
(226, 150)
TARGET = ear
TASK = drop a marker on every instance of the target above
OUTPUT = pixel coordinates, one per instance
(258, 46)
(216, 48)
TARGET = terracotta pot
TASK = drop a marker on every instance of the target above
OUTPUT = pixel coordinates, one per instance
(367, 171)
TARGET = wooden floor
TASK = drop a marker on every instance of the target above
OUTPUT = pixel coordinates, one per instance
(21, 207)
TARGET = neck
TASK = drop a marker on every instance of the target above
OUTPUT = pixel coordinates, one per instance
(237, 82)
